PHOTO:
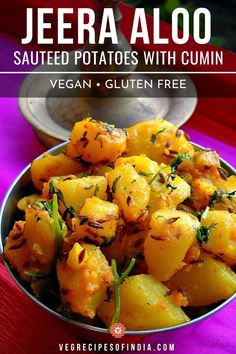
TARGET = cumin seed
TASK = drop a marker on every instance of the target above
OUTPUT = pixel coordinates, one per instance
(129, 200)
(81, 256)
(172, 220)
(95, 224)
(17, 235)
(18, 245)
(156, 238)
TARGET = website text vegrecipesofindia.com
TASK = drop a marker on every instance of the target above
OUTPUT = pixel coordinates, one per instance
(116, 347)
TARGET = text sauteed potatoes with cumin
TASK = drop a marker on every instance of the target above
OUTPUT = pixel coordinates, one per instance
(130, 226)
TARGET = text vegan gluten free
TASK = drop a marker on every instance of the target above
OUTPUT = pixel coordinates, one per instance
(120, 83)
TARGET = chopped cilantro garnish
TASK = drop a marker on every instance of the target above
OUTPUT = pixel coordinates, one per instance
(153, 178)
(203, 233)
(96, 190)
(70, 211)
(88, 187)
(218, 196)
(117, 281)
(116, 180)
(142, 173)
(51, 187)
(35, 275)
(47, 206)
(56, 221)
(177, 161)
(154, 136)
(84, 220)
(171, 186)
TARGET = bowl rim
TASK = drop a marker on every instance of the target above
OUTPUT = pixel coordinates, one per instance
(79, 324)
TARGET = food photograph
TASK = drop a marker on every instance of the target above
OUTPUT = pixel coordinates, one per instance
(118, 177)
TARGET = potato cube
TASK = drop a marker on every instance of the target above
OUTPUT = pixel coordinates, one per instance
(75, 190)
(49, 166)
(160, 140)
(85, 288)
(96, 142)
(206, 281)
(171, 234)
(97, 221)
(222, 239)
(130, 191)
(145, 304)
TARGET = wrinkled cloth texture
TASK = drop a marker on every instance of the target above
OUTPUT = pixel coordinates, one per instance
(27, 329)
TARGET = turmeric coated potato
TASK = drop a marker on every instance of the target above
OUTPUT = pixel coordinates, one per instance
(206, 281)
(32, 245)
(207, 177)
(130, 191)
(160, 140)
(49, 166)
(165, 192)
(75, 190)
(222, 236)
(145, 304)
(171, 234)
(84, 288)
(97, 221)
(128, 244)
(40, 236)
(16, 250)
(96, 142)
(24, 202)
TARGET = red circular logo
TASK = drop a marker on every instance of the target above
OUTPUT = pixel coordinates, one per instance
(118, 330)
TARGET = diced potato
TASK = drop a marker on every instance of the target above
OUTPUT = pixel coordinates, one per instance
(101, 170)
(144, 166)
(205, 163)
(207, 160)
(77, 256)
(202, 190)
(26, 201)
(206, 176)
(171, 234)
(96, 142)
(160, 140)
(206, 281)
(164, 193)
(193, 253)
(222, 239)
(130, 191)
(31, 245)
(228, 186)
(40, 236)
(75, 190)
(85, 288)
(145, 304)
(49, 165)
(97, 221)
(16, 249)
(127, 245)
